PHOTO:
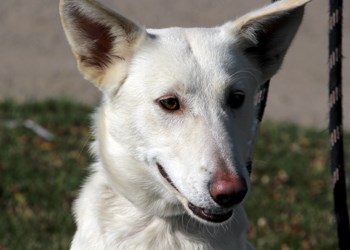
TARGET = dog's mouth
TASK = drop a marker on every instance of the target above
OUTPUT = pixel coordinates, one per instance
(198, 211)
(209, 216)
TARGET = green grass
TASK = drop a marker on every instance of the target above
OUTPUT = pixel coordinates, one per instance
(290, 205)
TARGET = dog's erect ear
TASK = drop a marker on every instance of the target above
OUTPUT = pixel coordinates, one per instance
(266, 34)
(99, 38)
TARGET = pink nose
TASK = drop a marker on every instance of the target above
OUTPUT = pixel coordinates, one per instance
(227, 189)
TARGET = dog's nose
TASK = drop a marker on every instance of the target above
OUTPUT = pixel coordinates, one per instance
(227, 189)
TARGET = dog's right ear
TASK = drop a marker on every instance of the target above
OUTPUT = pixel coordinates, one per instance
(100, 38)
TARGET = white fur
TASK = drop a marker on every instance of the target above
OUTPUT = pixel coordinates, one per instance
(126, 203)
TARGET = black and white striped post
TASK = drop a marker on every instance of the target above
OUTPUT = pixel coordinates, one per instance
(335, 123)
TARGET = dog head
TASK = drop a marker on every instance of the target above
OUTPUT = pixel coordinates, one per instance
(178, 108)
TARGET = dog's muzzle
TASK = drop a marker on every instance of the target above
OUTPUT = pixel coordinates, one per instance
(225, 190)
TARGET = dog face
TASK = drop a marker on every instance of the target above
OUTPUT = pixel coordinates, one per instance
(176, 121)
(190, 118)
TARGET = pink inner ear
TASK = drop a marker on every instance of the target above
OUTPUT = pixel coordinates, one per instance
(99, 40)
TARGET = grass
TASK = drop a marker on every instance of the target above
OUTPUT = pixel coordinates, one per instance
(290, 205)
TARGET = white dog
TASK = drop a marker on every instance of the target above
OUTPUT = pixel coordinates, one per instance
(173, 130)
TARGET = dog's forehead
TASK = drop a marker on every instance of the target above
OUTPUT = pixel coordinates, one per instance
(195, 54)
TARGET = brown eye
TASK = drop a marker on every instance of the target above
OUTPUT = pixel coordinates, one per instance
(236, 99)
(170, 103)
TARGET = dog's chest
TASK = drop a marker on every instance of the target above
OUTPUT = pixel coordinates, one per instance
(116, 224)
(158, 235)
(126, 227)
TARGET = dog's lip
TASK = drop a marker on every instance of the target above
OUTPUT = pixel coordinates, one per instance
(198, 211)
(166, 176)
(208, 216)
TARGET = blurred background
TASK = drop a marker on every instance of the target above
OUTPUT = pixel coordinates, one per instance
(45, 109)
(36, 62)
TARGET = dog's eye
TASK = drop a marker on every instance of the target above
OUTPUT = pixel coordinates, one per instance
(236, 99)
(170, 103)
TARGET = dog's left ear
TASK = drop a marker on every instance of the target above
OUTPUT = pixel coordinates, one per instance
(266, 34)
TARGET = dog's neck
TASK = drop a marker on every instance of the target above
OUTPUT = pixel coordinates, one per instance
(117, 222)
